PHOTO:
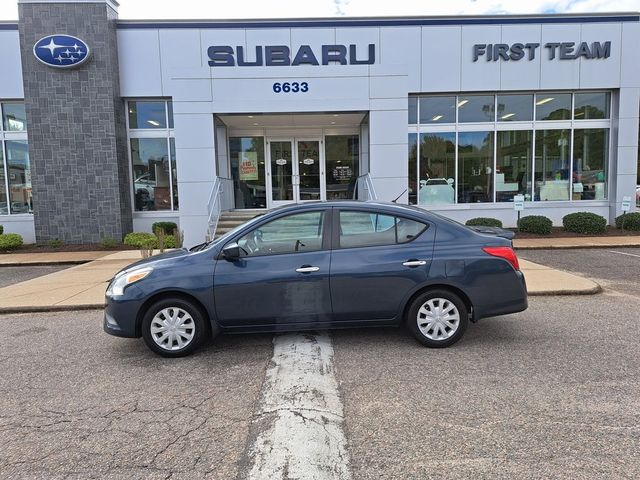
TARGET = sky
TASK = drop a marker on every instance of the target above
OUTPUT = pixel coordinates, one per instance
(244, 9)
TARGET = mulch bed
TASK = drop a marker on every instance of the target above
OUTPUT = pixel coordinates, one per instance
(559, 232)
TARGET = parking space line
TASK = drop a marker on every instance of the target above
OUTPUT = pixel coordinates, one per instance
(624, 253)
(297, 430)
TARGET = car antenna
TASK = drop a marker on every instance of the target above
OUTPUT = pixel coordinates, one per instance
(396, 199)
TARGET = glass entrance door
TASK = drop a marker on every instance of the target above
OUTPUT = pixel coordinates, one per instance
(296, 170)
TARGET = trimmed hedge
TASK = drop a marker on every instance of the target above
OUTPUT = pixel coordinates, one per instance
(484, 222)
(147, 240)
(9, 241)
(168, 227)
(584, 222)
(535, 224)
(629, 221)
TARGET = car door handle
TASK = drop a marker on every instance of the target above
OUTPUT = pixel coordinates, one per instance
(414, 263)
(307, 269)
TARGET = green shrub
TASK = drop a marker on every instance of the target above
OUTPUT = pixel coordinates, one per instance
(167, 227)
(56, 243)
(1, 229)
(584, 222)
(141, 240)
(108, 242)
(10, 241)
(629, 221)
(535, 224)
(484, 222)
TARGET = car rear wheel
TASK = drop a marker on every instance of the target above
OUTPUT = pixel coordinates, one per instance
(438, 318)
(173, 327)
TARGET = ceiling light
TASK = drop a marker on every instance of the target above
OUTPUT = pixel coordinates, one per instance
(508, 115)
(256, 123)
(545, 100)
(333, 123)
(462, 103)
(578, 114)
(436, 118)
(153, 122)
(335, 115)
(250, 116)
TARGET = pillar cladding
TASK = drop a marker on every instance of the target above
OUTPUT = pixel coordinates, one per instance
(76, 125)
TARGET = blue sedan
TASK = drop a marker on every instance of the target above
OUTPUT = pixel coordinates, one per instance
(321, 265)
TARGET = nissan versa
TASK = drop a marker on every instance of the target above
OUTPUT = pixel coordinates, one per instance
(321, 265)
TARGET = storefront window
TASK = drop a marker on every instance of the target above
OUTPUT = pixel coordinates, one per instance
(413, 110)
(151, 175)
(590, 106)
(342, 154)
(14, 117)
(475, 171)
(4, 206)
(552, 165)
(248, 171)
(515, 108)
(437, 168)
(148, 114)
(19, 174)
(476, 108)
(590, 153)
(513, 165)
(413, 168)
(437, 110)
(553, 106)
(174, 172)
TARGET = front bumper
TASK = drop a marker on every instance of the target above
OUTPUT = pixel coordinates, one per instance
(121, 313)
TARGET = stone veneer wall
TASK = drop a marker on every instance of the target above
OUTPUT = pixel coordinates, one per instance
(76, 127)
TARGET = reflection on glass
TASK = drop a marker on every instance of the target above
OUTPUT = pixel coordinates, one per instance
(476, 108)
(174, 172)
(170, 114)
(309, 169)
(515, 108)
(248, 171)
(342, 154)
(552, 165)
(553, 106)
(19, 173)
(437, 109)
(150, 174)
(413, 110)
(513, 165)
(413, 168)
(281, 171)
(590, 154)
(591, 105)
(15, 119)
(437, 168)
(4, 206)
(475, 171)
(147, 114)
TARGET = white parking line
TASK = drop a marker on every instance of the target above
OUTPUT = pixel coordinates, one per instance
(298, 425)
(624, 253)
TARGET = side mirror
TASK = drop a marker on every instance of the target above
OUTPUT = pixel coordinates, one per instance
(231, 251)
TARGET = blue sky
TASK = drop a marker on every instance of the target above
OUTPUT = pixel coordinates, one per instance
(199, 9)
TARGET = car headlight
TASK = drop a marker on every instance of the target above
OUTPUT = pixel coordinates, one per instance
(123, 279)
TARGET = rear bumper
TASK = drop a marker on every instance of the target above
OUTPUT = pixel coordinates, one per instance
(512, 298)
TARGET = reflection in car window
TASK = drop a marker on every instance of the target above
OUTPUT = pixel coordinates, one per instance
(363, 229)
(301, 232)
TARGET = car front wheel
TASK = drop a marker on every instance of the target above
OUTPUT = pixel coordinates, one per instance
(438, 318)
(173, 327)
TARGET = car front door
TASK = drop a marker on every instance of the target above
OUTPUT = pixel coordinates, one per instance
(282, 275)
(376, 261)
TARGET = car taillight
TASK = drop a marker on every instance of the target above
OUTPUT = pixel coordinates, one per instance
(504, 252)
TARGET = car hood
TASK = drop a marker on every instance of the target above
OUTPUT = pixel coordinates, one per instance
(162, 259)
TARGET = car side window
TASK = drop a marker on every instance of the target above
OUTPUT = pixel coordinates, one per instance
(365, 229)
(300, 232)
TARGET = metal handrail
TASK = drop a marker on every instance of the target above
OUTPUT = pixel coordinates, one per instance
(365, 189)
(215, 205)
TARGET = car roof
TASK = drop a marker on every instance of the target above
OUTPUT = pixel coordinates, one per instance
(388, 207)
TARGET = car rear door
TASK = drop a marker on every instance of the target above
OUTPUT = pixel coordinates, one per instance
(376, 260)
(283, 276)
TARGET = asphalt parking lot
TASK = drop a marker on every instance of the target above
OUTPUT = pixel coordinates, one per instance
(553, 392)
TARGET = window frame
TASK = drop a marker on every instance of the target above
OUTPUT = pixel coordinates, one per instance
(149, 133)
(335, 239)
(6, 136)
(534, 125)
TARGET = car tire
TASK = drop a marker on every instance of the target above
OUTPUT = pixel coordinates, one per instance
(172, 321)
(437, 318)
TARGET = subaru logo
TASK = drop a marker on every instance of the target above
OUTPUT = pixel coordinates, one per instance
(61, 51)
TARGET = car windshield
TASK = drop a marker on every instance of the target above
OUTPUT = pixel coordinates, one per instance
(224, 237)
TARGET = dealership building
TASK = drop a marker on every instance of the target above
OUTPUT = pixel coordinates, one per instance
(110, 125)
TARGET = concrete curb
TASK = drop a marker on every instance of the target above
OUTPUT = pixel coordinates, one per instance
(51, 308)
(571, 247)
(587, 291)
(45, 264)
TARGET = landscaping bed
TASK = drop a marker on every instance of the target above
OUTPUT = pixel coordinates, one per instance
(560, 232)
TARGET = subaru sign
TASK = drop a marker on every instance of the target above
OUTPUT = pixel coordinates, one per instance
(61, 51)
